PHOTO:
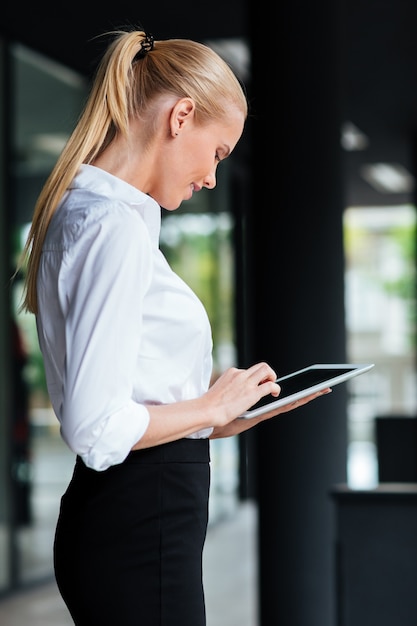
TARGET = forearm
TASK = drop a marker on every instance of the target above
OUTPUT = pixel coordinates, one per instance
(169, 422)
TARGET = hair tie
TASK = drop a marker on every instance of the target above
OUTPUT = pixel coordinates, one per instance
(146, 46)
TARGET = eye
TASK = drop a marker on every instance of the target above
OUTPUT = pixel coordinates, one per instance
(217, 157)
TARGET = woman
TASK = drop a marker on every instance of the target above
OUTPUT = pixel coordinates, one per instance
(126, 344)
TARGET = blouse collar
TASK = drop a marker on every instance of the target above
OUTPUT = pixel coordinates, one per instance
(102, 183)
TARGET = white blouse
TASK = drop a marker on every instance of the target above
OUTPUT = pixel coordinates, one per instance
(117, 327)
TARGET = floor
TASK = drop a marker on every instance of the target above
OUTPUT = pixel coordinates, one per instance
(229, 572)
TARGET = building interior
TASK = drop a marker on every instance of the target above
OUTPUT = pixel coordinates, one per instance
(313, 258)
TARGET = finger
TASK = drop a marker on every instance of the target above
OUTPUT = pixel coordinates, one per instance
(262, 372)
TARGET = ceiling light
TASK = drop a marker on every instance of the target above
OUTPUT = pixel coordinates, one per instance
(388, 177)
(352, 138)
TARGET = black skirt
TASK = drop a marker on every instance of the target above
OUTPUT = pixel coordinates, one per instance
(129, 540)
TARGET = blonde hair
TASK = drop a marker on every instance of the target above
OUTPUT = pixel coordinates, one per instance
(126, 84)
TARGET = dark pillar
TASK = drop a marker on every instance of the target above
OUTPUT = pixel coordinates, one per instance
(294, 248)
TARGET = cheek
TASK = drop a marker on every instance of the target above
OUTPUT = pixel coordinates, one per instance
(197, 158)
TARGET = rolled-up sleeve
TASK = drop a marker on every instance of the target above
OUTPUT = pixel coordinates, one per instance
(101, 297)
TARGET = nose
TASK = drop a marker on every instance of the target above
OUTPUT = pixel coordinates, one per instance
(210, 181)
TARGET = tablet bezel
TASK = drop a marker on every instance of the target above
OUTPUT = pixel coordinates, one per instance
(340, 375)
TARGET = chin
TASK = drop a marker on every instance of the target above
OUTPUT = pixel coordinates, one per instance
(172, 208)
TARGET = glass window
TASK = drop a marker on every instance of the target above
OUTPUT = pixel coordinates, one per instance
(380, 321)
(46, 102)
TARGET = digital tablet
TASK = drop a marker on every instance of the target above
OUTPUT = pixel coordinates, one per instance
(306, 381)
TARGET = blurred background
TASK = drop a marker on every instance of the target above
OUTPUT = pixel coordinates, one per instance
(305, 252)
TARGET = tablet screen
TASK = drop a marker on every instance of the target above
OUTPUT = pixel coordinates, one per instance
(308, 380)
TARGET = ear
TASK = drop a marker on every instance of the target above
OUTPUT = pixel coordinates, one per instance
(182, 113)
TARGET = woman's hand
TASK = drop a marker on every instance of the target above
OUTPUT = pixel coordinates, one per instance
(238, 389)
